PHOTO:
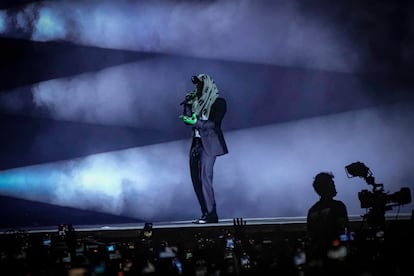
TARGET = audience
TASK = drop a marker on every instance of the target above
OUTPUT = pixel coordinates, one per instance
(325, 248)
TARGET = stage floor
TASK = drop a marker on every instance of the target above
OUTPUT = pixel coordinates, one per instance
(282, 222)
(166, 225)
(185, 231)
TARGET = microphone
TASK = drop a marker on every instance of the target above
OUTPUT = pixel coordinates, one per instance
(190, 96)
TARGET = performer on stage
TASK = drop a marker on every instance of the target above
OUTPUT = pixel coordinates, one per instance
(204, 110)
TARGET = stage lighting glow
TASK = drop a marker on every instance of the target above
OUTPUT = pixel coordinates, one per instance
(127, 182)
(133, 94)
(23, 21)
(33, 184)
(273, 165)
(71, 99)
(49, 26)
(3, 18)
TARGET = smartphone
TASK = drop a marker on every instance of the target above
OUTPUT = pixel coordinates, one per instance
(229, 243)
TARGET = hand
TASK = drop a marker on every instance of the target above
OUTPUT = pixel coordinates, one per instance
(192, 94)
(239, 226)
(189, 120)
(189, 97)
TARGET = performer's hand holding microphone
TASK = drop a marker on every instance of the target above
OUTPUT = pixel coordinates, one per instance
(189, 117)
(189, 120)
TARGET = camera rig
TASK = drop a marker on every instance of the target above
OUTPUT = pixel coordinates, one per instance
(376, 201)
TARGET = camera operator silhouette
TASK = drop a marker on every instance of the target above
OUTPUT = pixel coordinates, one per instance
(327, 219)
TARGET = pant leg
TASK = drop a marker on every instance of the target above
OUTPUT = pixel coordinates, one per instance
(207, 165)
(195, 170)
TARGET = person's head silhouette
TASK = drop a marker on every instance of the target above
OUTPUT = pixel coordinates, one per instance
(324, 185)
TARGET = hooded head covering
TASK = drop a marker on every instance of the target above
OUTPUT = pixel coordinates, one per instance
(202, 105)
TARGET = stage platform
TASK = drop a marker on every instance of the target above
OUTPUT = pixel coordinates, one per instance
(292, 225)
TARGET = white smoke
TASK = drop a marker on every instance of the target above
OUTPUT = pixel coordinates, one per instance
(268, 172)
(146, 94)
(129, 95)
(142, 182)
(49, 25)
(248, 31)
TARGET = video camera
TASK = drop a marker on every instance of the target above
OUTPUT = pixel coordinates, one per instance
(377, 201)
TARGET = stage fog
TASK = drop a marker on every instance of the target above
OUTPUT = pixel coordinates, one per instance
(268, 172)
(304, 94)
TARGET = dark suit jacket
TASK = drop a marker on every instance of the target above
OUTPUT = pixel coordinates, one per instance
(210, 131)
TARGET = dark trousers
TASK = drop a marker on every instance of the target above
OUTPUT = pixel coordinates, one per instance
(201, 167)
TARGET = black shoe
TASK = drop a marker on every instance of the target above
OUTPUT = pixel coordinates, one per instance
(212, 217)
(201, 220)
(207, 218)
